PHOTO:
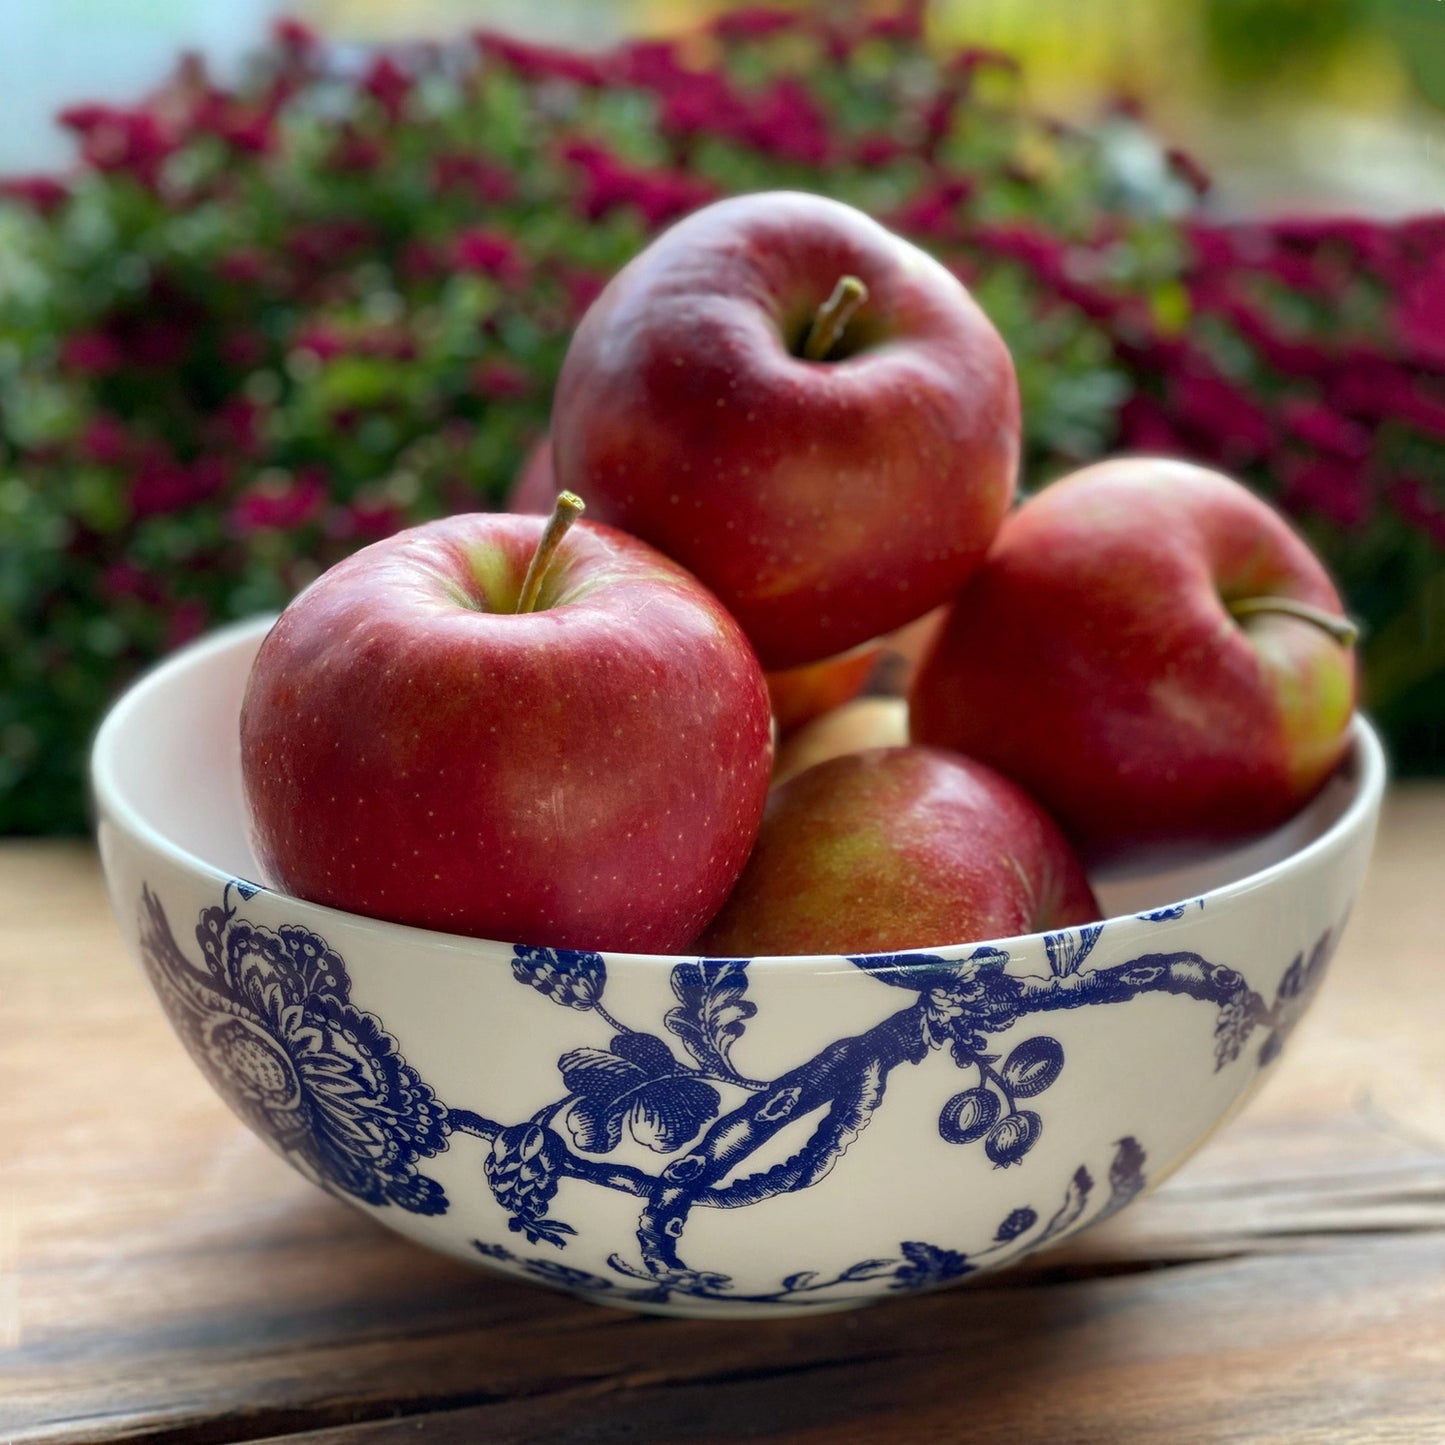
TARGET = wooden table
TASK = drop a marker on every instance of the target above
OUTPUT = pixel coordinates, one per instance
(163, 1278)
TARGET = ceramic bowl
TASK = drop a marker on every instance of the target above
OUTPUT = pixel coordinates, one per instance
(710, 1137)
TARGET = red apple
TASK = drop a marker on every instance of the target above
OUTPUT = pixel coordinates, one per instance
(1151, 652)
(899, 848)
(798, 694)
(805, 410)
(587, 774)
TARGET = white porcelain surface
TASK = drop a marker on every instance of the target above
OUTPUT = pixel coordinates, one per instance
(736, 1138)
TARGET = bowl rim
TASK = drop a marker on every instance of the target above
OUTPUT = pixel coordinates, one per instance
(111, 801)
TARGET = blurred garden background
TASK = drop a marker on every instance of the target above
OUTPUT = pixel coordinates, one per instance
(313, 281)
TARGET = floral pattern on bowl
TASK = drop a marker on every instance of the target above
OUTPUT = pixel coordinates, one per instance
(269, 1018)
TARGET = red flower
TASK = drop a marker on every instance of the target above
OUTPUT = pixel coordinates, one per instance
(1370, 240)
(210, 475)
(158, 339)
(1144, 426)
(421, 261)
(1333, 487)
(279, 503)
(133, 141)
(322, 339)
(1420, 315)
(502, 380)
(281, 89)
(105, 440)
(244, 349)
(295, 37)
(903, 28)
(1380, 389)
(652, 64)
(363, 520)
(245, 265)
(488, 252)
(217, 112)
(583, 287)
(704, 104)
(755, 22)
(1188, 170)
(185, 623)
(936, 118)
(388, 343)
(980, 57)
(1299, 272)
(92, 353)
(1308, 358)
(1042, 253)
(1422, 409)
(1422, 508)
(1213, 246)
(235, 426)
(1325, 429)
(838, 41)
(1223, 419)
(389, 85)
(1426, 232)
(877, 149)
(934, 213)
(124, 579)
(539, 62)
(161, 484)
(87, 116)
(252, 132)
(354, 152)
(43, 193)
(1227, 258)
(787, 123)
(470, 175)
(659, 195)
(323, 245)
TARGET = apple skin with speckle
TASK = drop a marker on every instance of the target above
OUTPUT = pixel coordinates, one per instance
(899, 848)
(1095, 659)
(798, 694)
(590, 774)
(825, 502)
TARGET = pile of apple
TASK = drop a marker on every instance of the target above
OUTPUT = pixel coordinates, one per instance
(794, 433)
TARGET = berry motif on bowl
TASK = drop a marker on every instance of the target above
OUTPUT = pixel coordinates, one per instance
(269, 1018)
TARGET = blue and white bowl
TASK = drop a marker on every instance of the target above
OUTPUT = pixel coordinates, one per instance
(741, 1137)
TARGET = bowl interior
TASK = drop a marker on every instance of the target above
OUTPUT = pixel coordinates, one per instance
(167, 760)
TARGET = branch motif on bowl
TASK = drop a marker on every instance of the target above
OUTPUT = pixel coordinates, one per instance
(268, 1016)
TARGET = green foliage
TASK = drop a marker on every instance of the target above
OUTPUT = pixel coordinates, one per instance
(264, 326)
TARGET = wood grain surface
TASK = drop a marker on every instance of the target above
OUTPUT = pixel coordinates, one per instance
(165, 1279)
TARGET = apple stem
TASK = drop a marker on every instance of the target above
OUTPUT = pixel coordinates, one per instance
(565, 511)
(1342, 629)
(832, 316)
